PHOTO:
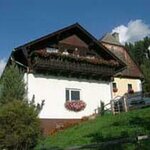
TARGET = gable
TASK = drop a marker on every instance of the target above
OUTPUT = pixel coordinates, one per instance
(109, 38)
(75, 41)
(132, 70)
(75, 35)
(71, 51)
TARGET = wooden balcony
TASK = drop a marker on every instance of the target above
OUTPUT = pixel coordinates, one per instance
(69, 68)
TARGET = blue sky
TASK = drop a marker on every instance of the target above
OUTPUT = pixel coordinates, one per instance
(25, 20)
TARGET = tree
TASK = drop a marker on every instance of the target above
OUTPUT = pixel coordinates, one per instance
(140, 51)
(146, 71)
(19, 122)
(13, 86)
(19, 126)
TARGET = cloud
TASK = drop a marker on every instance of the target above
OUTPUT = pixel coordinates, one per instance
(134, 31)
(2, 65)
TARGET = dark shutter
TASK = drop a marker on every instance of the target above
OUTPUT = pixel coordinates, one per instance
(67, 95)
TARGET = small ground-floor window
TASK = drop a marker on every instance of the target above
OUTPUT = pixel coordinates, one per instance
(72, 94)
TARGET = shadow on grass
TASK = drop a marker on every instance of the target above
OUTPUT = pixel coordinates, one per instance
(140, 122)
(143, 124)
(43, 147)
(108, 143)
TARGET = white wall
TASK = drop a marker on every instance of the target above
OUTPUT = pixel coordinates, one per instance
(52, 90)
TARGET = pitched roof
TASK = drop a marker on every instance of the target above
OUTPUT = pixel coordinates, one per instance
(109, 38)
(65, 32)
(132, 70)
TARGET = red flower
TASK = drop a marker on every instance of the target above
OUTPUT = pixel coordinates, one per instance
(131, 91)
(115, 90)
(76, 105)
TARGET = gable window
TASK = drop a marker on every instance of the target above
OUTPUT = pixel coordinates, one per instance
(72, 94)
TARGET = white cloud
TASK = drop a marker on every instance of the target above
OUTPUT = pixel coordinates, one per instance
(134, 31)
(2, 65)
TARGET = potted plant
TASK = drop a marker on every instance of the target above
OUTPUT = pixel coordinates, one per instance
(115, 90)
(130, 91)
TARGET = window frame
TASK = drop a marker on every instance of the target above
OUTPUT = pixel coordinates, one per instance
(114, 85)
(130, 87)
(70, 94)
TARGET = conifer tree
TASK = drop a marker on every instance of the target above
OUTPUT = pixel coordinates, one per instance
(19, 122)
(12, 85)
(140, 51)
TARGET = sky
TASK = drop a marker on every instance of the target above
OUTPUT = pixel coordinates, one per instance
(24, 20)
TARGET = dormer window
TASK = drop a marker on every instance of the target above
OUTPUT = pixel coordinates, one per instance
(51, 50)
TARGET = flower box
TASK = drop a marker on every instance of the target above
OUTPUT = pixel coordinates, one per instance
(131, 91)
(115, 90)
(76, 105)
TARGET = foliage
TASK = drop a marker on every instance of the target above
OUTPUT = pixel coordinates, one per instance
(141, 54)
(74, 58)
(19, 122)
(146, 70)
(139, 50)
(19, 126)
(103, 128)
(12, 85)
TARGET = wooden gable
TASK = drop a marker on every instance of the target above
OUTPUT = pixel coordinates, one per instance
(132, 70)
(71, 50)
(75, 41)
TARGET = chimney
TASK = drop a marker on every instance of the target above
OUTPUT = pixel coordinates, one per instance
(116, 36)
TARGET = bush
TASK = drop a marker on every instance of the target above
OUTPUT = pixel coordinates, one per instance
(19, 126)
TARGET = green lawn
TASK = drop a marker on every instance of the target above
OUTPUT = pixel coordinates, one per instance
(101, 129)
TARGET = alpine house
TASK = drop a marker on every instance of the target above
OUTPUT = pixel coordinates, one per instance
(71, 70)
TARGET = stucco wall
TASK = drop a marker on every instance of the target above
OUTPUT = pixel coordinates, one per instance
(52, 90)
(122, 85)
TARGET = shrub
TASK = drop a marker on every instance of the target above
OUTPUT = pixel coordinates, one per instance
(19, 126)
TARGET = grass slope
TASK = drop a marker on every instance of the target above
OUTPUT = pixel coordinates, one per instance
(102, 129)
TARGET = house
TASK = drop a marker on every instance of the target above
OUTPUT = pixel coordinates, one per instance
(71, 70)
(130, 79)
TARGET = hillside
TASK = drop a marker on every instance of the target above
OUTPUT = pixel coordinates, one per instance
(102, 129)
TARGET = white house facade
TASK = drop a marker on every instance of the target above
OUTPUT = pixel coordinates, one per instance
(54, 90)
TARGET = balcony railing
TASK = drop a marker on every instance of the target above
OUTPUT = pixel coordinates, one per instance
(69, 67)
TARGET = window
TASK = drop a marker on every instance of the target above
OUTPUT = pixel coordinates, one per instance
(51, 50)
(114, 85)
(129, 87)
(72, 94)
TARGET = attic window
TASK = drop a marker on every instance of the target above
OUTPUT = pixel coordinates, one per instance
(51, 50)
